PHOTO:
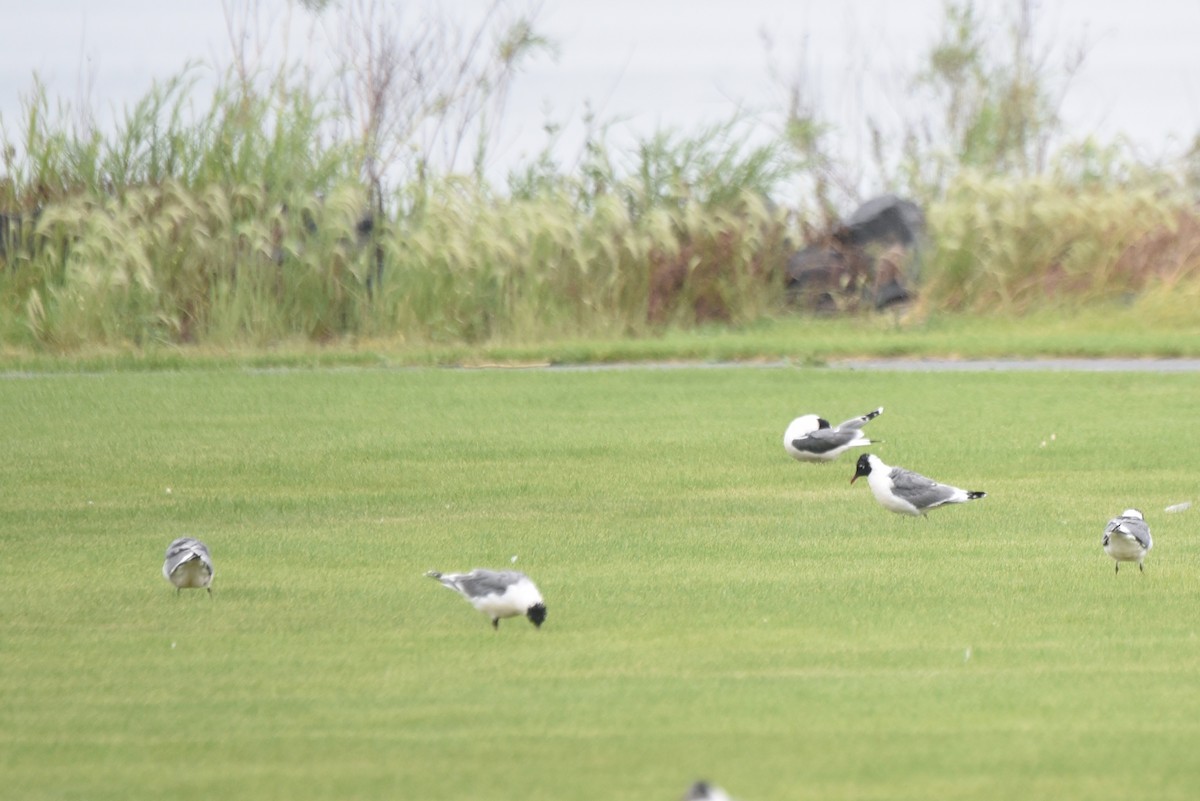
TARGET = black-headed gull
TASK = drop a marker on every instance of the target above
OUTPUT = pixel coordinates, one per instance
(1127, 538)
(811, 439)
(188, 565)
(703, 791)
(905, 492)
(497, 593)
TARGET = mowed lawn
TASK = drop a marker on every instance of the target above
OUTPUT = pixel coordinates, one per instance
(716, 610)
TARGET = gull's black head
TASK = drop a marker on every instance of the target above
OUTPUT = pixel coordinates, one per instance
(536, 614)
(823, 423)
(863, 468)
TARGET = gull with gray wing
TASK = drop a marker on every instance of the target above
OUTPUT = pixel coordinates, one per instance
(188, 565)
(905, 492)
(497, 593)
(1127, 538)
(811, 438)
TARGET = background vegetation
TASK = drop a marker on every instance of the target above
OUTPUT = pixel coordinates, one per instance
(290, 208)
(715, 609)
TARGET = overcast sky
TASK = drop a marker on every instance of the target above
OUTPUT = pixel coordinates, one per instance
(665, 63)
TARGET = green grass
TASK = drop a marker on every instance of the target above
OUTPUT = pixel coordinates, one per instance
(1100, 331)
(715, 609)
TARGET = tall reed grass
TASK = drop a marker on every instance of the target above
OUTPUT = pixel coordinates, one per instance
(1014, 245)
(248, 225)
(255, 214)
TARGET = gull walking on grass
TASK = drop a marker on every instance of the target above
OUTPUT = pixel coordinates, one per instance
(1127, 538)
(497, 593)
(811, 439)
(905, 492)
(188, 565)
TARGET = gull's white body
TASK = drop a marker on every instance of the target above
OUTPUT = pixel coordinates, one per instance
(1127, 538)
(188, 564)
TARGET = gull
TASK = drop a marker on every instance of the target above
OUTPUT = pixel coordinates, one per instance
(497, 593)
(703, 791)
(811, 439)
(1127, 538)
(188, 565)
(905, 492)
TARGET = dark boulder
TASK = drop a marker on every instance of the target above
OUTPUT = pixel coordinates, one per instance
(870, 258)
(886, 219)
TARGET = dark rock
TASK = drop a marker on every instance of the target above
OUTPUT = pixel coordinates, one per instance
(872, 257)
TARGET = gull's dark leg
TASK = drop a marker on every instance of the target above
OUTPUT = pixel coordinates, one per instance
(209, 591)
(496, 623)
(1118, 570)
(177, 589)
(1140, 568)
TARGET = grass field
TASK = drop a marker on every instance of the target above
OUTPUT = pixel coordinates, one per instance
(1144, 329)
(715, 609)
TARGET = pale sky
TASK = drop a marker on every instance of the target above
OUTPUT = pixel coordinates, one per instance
(665, 63)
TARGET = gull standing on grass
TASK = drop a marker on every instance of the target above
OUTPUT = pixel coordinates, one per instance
(188, 565)
(811, 439)
(905, 492)
(1127, 538)
(497, 593)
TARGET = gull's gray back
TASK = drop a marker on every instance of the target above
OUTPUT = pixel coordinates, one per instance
(480, 582)
(918, 490)
(184, 549)
(823, 440)
(1133, 526)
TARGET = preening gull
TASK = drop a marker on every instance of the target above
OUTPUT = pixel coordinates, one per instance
(811, 439)
(1127, 538)
(188, 565)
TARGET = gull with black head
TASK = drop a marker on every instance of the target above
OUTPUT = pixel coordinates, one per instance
(705, 791)
(905, 492)
(497, 593)
(811, 438)
(1127, 538)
